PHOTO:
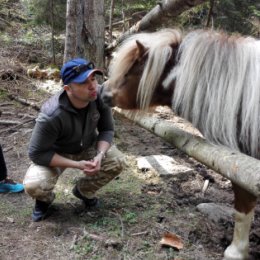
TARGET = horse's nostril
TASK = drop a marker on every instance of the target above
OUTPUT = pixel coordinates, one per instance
(107, 98)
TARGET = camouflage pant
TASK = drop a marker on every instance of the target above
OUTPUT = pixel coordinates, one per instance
(40, 181)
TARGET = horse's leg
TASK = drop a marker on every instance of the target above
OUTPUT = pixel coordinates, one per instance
(245, 204)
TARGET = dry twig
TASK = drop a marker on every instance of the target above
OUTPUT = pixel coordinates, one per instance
(140, 233)
(9, 122)
(103, 240)
(24, 102)
(14, 127)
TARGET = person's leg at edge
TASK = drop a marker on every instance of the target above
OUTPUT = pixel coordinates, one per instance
(6, 184)
(39, 182)
(112, 165)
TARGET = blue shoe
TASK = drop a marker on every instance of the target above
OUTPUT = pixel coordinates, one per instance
(9, 185)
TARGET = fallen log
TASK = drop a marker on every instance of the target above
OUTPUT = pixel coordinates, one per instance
(235, 166)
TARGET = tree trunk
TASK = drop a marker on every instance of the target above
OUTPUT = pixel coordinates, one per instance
(52, 33)
(111, 13)
(237, 167)
(163, 10)
(85, 27)
(74, 24)
(93, 31)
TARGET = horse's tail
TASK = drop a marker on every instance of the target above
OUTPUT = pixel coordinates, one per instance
(218, 88)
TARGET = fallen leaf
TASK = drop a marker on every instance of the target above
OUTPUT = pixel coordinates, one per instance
(170, 239)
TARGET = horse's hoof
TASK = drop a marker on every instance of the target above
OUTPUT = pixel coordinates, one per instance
(232, 253)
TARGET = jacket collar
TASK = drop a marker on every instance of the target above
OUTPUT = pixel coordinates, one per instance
(65, 103)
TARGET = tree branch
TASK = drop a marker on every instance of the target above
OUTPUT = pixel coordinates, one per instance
(154, 18)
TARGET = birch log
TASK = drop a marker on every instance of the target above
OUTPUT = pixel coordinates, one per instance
(165, 9)
(235, 166)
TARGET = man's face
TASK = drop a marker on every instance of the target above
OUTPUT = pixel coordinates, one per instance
(86, 91)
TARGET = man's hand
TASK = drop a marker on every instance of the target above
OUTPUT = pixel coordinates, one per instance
(90, 168)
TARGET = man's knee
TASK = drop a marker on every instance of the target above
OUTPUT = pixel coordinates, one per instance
(114, 162)
(40, 180)
(33, 189)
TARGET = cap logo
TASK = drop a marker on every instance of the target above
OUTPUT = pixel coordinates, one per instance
(77, 70)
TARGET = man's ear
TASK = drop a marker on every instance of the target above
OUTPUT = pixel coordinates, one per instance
(66, 87)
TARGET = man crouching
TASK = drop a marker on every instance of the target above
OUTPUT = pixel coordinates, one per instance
(73, 130)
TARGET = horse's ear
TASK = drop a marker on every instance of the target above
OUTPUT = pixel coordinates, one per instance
(141, 49)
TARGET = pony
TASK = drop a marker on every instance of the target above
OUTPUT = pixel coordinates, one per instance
(208, 77)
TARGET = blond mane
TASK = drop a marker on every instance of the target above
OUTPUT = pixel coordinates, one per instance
(159, 53)
(218, 88)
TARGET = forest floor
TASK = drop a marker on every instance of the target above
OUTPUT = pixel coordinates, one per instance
(137, 208)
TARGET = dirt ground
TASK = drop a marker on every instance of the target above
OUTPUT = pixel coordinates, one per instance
(137, 208)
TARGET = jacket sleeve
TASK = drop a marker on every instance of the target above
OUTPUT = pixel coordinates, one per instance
(106, 122)
(43, 137)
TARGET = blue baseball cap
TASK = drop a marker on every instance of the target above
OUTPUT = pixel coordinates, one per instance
(77, 71)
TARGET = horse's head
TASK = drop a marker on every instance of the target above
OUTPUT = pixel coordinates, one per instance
(138, 70)
(125, 74)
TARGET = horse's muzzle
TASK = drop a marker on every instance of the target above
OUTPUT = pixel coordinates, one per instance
(106, 96)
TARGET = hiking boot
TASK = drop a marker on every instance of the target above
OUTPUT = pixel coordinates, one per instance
(40, 210)
(89, 203)
(9, 185)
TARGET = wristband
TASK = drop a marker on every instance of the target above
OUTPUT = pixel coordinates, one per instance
(102, 153)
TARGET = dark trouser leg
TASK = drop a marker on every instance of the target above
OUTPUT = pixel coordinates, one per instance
(3, 169)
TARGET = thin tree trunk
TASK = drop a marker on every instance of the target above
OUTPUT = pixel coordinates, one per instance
(111, 13)
(80, 48)
(52, 32)
(210, 14)
(237, 167)
(163, 10)
(123, 15)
